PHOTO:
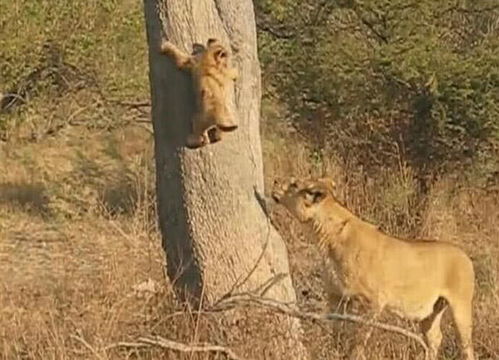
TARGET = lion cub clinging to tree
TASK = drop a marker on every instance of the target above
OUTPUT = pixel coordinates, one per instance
(212, 76)
(415, 279)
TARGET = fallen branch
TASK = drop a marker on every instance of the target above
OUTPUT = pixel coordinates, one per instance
(85, 343)
(251, 300)
(132, 104)
(176, 346)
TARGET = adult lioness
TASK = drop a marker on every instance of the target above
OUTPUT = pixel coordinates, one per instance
(415, 279)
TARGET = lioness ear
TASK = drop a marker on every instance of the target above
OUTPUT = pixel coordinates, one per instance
(328, 182)
(314, 195)
(331, 183)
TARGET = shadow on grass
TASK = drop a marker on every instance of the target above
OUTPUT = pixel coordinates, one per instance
(28, 197)
(120, 188)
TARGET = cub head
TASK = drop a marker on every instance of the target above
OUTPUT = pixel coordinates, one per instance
(303, 198)
(217, 53)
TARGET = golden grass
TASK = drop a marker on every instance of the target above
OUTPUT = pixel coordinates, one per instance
(79, 245)
(467, 217)
(78, 235)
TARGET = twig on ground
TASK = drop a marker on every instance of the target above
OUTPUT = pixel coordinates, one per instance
(269, 284)
(145, 103)
(176, 346)
(132, 104)
(126, 344)
(250, 300)
(84, 342)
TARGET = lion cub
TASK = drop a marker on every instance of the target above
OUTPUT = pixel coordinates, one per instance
(416, 279)
(212, 75)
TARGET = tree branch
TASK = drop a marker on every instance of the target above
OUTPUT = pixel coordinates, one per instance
(251, 300)
(371, 27)
(278, 33)
(176, 346)
(263, 23)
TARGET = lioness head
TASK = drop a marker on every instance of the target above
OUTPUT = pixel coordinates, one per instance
(304, 198)
(217, 53)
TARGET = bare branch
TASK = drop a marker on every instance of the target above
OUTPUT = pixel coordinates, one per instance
(250, 300)
(373, 29)
(132, 104)
(85, 343)
(240, 282)
(176, 346)
(273, 27)
(277, 32)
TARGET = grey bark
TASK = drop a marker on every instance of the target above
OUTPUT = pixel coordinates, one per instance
(214, 229)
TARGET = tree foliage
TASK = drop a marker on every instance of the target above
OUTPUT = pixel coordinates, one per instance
(378, 82)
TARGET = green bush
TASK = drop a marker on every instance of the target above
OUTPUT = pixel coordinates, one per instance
(388, 81)
(65, 46)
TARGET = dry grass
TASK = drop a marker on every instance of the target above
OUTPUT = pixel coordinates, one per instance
(465, 216)
(80, 259)
(70, 256)
(78, 241)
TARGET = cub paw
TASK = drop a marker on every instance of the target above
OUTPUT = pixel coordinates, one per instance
(227, 124)
(214, 135)
(195, 141)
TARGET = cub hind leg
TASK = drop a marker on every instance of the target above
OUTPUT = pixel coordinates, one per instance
(214, 135)
(199, 136)
(204, 131)
(223, 118)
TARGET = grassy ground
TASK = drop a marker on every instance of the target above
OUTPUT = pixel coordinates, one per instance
(80, 259)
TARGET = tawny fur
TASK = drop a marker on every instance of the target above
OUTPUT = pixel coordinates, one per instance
(212, 77)
(416, 279)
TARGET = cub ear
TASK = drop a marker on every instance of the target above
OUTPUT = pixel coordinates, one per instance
(211, 41)
(314, 195)
(198, 48)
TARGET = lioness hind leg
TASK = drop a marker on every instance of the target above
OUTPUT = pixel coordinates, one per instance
(462, 313)
(431, 328)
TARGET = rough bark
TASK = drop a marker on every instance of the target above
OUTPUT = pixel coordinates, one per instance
(214, 229)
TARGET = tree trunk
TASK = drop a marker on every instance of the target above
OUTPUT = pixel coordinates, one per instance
(214, 228)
